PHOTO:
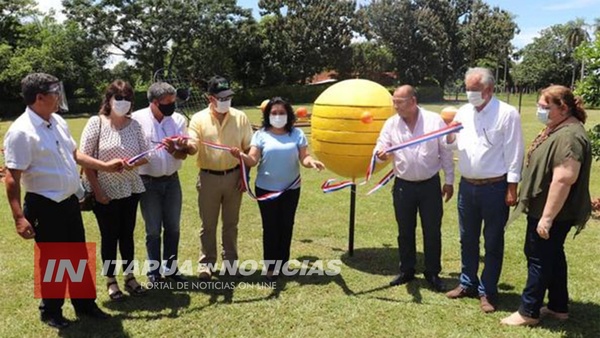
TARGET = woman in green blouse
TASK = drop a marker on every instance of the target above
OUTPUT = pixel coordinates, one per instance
(555, 196)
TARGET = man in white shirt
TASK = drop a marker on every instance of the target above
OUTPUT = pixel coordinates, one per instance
(40, 151)
(490, 157)
(417, 183)
(162, 201)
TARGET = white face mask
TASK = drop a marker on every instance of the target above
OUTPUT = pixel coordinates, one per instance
(543, 115)
(121, 108)
(223, 106)
(475, 98)
(278, 121)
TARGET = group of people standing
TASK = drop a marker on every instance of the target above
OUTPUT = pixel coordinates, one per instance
(120, 179)
(554, 177)
(41, 153)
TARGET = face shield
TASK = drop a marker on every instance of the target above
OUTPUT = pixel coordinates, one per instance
(59, 89)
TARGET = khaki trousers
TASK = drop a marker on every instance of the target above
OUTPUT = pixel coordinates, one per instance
(218, 193)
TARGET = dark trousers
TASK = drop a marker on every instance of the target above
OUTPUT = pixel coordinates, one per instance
(546, 269)
(278, 225)
(424, 197)
(116, 221)
(477, 203)
(57, 222)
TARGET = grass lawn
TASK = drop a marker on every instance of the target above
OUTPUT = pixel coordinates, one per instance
(355, 303)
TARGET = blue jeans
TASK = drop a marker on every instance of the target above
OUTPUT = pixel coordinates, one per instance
(161, 210)
(477, 203)
(546, 269)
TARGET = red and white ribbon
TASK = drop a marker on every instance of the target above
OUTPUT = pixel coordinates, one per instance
(246, 177)
(327, 187)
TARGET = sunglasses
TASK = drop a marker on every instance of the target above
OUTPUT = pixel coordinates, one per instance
(121, 98)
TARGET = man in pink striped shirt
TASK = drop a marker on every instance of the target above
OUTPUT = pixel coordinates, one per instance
(417, 186)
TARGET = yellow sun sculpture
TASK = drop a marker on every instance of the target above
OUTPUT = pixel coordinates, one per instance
(346, 120)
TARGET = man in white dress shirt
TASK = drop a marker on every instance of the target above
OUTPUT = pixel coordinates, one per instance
(161, 202)
(417, 183)
(490, 157)
(41, 153)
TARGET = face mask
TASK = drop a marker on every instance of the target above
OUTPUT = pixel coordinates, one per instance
(278, 121)
(542, 115)
(223, 106)
(475, 98)
(121, 108)
(167, 109)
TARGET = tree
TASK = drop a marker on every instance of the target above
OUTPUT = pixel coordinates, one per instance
(589, 86)
(547, 60)
(434, 41)
(157, 33)
(305, 37)
(12, 12)
(576, 35)
(60, 49)
(370, 59)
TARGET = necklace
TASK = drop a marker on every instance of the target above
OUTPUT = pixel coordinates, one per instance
(543, 136)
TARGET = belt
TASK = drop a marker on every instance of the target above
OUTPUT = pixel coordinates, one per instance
(220, 172)
(160, 178)
(484, 181)
(417, 182)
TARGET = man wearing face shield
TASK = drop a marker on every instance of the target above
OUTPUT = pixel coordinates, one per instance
(490, 157)
(40, 152)
(219, 179)
(161, 202)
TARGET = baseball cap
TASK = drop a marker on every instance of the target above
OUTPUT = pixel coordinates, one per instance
(219, 87)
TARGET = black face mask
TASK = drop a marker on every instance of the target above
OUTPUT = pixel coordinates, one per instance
(167, 109)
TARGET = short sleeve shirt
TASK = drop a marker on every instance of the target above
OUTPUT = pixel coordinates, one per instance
(567, 142)
(43, 151)
(106, 143)
(279, 163)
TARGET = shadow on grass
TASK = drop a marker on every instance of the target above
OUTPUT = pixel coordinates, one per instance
(112, 327)
(155, 301)
(378, 261)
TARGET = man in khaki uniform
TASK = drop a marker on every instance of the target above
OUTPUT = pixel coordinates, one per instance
(219, 178)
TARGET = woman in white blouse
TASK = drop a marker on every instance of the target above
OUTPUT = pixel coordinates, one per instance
(113, 134)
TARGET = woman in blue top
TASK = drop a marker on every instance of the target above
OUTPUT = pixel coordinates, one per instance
(278, 148)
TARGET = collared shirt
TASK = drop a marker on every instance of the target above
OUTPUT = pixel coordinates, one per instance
(161, 163)
(421, 161)
(43, 150)
(491, 142)
(234, 131)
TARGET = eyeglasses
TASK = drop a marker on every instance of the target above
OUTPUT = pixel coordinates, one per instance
(121, 98)
(400, 100)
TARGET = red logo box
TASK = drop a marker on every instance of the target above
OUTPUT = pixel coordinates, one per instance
(65, 270)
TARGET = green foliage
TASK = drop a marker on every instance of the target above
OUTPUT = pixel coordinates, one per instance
(439, 39)
(589, 87)
(428, 94)
(305, 37)
(549, 59)
(594, 135)
(294, 93)
(59, 49)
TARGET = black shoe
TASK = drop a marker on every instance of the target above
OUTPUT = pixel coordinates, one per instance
(435, 282)
(402, 278)
(57, 322)
(177, 277)
(92, 312)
